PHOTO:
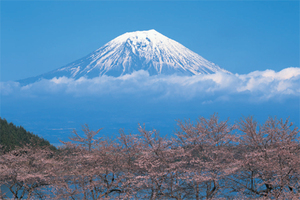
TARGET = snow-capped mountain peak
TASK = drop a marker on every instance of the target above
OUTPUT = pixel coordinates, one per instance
(141, 50)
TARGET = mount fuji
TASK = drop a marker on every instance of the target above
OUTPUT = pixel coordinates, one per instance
(133, 51)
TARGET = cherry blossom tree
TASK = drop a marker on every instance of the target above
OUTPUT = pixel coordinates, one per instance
(131, 149)
(158, 175)
(89, 139)
(94, 173)
(26, 171)
(269, 159)
(208, 155)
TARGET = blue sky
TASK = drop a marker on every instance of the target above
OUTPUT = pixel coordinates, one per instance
(40, 36)
(256, 40)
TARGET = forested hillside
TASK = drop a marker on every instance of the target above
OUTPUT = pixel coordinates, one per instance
(12, 136)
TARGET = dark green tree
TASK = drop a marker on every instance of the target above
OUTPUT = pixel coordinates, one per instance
(12, 136)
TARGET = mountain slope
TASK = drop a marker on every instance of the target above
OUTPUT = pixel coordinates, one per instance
(12, 136)
(133, 51)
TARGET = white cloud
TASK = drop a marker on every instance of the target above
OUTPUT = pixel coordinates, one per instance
(270, 82)
(7, 88)
(255, 86)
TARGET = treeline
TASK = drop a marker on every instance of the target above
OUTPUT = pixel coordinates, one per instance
(207, 159)
(12, 136)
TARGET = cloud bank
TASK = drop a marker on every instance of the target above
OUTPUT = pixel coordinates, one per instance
(255, 86)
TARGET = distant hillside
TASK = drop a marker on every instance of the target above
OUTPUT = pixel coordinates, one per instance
(12, 136)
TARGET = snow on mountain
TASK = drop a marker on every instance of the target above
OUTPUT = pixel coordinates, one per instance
(133, 51)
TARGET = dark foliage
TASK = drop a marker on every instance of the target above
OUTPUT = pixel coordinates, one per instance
(12, 136)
